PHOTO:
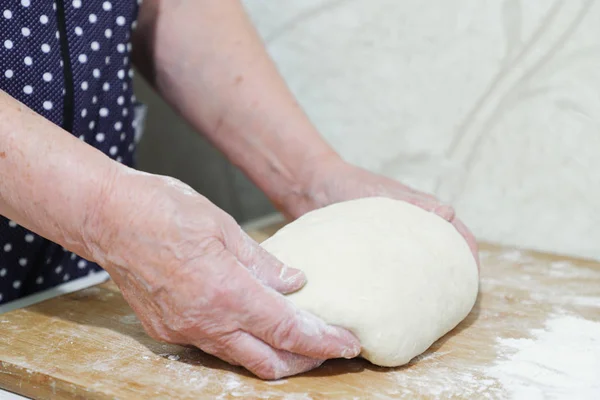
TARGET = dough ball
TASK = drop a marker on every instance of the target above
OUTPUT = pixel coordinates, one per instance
(396, 276)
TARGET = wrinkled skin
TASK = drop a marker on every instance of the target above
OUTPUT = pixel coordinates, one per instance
(194, 277)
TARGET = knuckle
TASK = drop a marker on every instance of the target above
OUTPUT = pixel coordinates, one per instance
(263, 367)
(282, 333)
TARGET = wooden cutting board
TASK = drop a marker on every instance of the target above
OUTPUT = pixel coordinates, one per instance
(89, 345)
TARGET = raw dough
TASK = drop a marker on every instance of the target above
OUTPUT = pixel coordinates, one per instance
(396, 276)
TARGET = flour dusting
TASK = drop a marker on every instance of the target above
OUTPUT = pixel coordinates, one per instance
(561, 360)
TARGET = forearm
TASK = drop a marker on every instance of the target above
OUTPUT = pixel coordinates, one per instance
(208, 62)
(50, 182)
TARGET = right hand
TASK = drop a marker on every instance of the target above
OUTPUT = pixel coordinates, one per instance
(194, 277)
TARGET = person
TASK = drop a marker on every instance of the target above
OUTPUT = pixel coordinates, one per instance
(73, 204)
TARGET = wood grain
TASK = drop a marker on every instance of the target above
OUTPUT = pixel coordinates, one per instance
(89, 344)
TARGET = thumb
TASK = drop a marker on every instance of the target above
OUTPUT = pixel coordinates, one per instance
(267, 268)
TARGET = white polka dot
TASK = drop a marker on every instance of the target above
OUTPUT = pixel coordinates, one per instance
(3, 272)
(27, 89)
(121, 74)
(17, 284)
(123, 136)
(77, 3)
(81, 264)
(63, 92)
(7, 247)
(134, 25)
(39, 280)
(8, 44)
(104, 112)
(73, 256)
(29, 238)
(58, 269)
(8, 73)
(130, 147)
(28, 61)
(47, 105)
(82, 58)
(25, 3)
(82, 138)
(25, 31)
(92, 18)
(46, 48)
(7, 14)
(44, 19)
(125, 86)
(130, 72)
(57, 35)
(94, 99)
(106, 86)
(107, 60)
(120, 100)
(121, 48)
(106, 6)
(61, 63)
(66, 277)
(84, 85)
(120, 20)
(12, 224)
(22, 262)
(100, 137)
(125, 60)
(78, 31)
(91, 125)
(84, 113)
(113, 150)
(108, 33)
(118, 126)
(96, 73)
(47, 76)
(54, 6)
(95, 46)
(125, 112)
(119, 159)
(129, 46)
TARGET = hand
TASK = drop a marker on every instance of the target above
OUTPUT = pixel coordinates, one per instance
(332, 180)
(194, 277)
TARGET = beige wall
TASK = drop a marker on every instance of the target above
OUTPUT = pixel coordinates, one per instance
(493, 105)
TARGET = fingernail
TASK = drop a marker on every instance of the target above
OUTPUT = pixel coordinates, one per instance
(350, 352)
(445, 211)
(291, 275)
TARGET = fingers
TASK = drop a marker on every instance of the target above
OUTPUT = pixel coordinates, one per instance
(431, 204)
(261, 359)
(469, 237)
(273, 319)
(265, 267)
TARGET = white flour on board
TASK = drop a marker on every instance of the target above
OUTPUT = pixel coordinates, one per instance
(560, 361)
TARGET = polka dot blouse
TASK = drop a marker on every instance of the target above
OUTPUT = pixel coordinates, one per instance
(68, 60)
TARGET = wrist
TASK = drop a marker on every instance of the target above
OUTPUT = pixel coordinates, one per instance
(311, 190)
(101, 214)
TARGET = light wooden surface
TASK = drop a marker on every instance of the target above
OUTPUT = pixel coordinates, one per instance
(89, 345)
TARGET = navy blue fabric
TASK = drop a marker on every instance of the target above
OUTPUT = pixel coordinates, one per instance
(36, 66)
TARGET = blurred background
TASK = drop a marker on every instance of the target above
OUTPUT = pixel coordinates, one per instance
(493, 106)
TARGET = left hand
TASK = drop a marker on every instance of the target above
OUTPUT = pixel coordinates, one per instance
(333, 180)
